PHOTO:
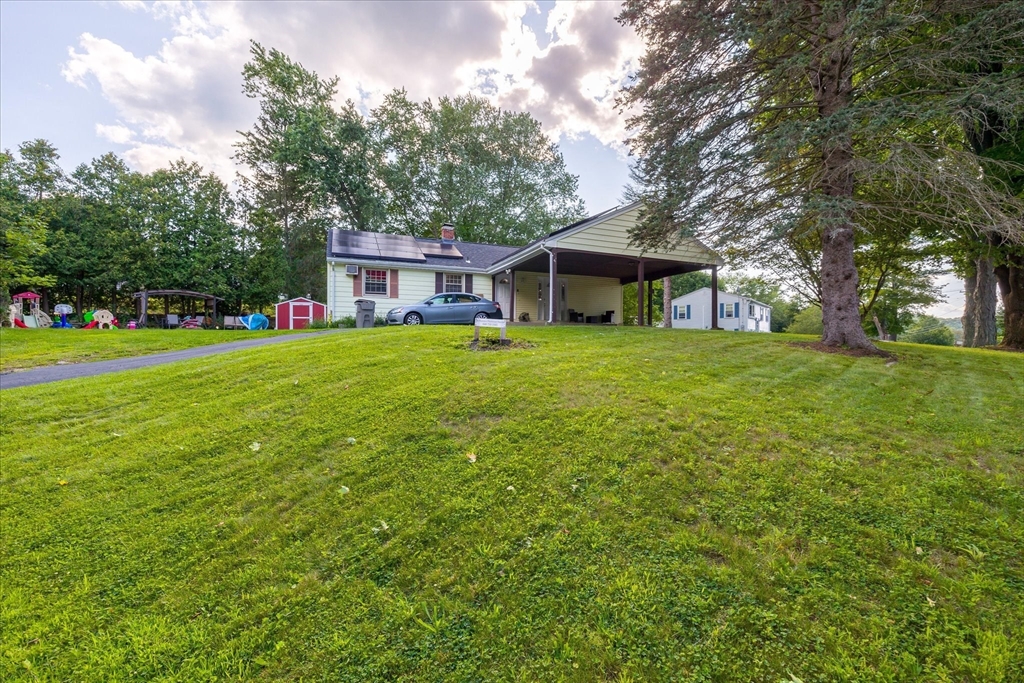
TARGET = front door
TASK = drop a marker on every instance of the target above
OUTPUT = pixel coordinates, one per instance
(503, 295)
(561, 306)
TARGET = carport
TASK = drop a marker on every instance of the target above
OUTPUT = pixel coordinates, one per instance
(209, 301)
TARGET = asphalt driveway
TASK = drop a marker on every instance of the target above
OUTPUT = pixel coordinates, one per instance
(56, 373)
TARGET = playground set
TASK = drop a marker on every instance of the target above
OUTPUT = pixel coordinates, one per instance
(26, 313)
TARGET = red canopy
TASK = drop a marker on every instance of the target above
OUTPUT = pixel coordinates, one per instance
(25, 295)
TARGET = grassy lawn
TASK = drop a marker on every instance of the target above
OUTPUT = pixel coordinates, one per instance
(611, 504)
(20, 349)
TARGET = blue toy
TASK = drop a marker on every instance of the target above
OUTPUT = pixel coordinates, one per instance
(256, 321)
(62, 310)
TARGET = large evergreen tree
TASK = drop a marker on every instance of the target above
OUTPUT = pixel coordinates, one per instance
(776, 120)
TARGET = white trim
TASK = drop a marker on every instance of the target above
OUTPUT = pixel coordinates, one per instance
(551, 242)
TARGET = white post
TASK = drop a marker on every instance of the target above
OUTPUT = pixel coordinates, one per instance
(552, 287)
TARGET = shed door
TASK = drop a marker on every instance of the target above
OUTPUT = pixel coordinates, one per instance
(302, 314)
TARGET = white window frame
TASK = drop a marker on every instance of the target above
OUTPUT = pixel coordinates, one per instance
(387, 281)
(448, 285)
(750, 311)
(730, 310)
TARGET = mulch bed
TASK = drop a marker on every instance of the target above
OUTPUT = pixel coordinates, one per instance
(844, 351)
(495, 344)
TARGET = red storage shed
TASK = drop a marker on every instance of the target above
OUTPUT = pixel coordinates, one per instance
(296, 314)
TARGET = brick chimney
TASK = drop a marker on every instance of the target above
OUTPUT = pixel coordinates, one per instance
(447, 233)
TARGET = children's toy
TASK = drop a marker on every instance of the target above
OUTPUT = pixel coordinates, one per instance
(256, 321)
(132, 324)
(34, 317)
(190, 323)
(63, 310)
(99, 319)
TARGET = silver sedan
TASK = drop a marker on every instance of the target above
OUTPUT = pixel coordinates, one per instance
(450, 307)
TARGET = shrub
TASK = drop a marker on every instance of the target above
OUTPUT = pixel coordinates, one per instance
(347, 321)
(927, 329)
(807, 321)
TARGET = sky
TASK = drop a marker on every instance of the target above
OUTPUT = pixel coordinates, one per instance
(158, 81)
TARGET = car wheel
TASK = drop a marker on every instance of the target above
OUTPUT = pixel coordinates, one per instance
(413, 319)
(481, 316)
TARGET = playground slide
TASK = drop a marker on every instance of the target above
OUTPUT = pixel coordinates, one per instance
(91, 325)
(30, 321)
(18, 323)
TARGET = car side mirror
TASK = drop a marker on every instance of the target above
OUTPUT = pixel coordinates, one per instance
(430, 303)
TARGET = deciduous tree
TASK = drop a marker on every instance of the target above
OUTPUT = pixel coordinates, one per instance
(798, 119)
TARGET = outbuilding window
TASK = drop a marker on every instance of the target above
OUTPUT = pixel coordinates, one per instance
(452, 283)
(375, 282)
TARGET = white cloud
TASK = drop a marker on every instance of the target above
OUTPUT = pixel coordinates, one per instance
(186, 101)
(118, 134)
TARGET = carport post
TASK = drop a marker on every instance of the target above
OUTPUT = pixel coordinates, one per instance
(554, 291)
(640, 292)
(714, 297)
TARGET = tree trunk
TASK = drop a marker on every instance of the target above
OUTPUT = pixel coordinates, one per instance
(879, 327)
(984, 306)
(78, 301)
(666, 301)
(1010, 276)
(840, 305)
(970, 315)
(831, 77)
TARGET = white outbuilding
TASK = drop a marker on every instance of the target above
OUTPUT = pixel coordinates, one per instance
(735, 312)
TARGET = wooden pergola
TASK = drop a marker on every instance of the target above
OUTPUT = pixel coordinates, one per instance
(209, 301)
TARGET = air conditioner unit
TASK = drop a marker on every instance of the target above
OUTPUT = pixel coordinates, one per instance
(351, 270)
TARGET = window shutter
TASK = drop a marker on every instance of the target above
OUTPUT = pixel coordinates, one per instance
(736, 310)
(675, 313)
(393, 285)
(438, 283)
(721, 310)
(469, 283)
(357, 283)
(688, 311)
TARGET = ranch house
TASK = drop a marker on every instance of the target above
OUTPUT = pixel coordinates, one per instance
(588, 262)
(694, 311)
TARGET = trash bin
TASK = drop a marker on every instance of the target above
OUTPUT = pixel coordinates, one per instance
(364, 312)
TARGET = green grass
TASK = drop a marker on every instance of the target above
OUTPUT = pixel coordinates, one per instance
(20, 349)
(644, 505)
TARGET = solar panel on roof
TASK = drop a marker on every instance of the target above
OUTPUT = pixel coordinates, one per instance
(351, 243)
(440, 249)
(376, 246)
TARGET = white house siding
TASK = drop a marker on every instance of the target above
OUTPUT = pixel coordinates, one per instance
(483, 286)
(700, 312)
(612, 236)
(586, 294)
(413, 286)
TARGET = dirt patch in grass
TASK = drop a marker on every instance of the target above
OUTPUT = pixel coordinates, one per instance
(476, 427)
(844, 351)
(494, 344)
